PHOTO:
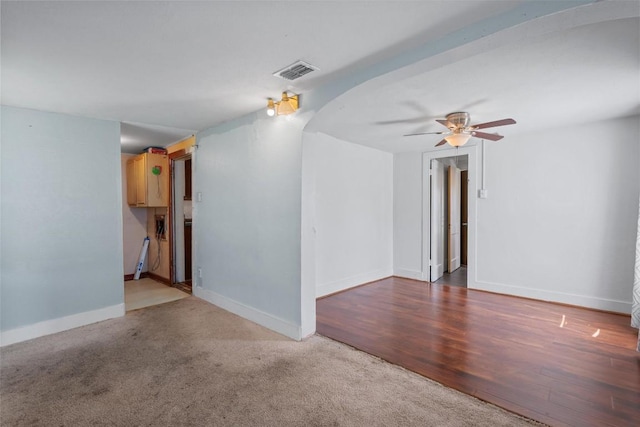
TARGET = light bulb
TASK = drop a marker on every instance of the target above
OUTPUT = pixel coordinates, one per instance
(271, 108)
(457, 139)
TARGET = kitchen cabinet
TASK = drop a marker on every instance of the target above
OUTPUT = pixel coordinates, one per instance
(148, 180)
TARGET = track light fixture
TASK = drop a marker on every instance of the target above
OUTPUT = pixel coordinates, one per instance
(288, 105)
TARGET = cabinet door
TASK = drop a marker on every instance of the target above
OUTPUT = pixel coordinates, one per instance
(131, 183)
(157, 176)
(141, 180)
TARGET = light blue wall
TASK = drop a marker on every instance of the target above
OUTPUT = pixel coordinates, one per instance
(247, 225)
(61, 216)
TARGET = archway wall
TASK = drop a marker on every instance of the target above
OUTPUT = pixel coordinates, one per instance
(406, 261)
(408, 256)
(512, 27)
(259, 260)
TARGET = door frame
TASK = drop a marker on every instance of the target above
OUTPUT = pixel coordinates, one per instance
(472, 191)
(179, 155)
(438, 257)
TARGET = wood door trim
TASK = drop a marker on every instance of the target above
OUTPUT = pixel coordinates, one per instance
(159, 278)
(173, 157)
(170, 214)
(178, 154)
(128, 277)
(450, 173)
(464, 216)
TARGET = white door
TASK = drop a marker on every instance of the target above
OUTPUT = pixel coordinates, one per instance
(437, 221)
(453, 203)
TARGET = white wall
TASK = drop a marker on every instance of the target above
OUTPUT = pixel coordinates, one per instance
(353, 213)
(561, 215)
(407, 215)
(134, 226)
(61, 223)
(560, 219)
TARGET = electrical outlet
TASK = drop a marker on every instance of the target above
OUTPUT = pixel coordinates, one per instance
(199, 277)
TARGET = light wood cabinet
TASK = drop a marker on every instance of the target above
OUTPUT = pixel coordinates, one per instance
(131, 183)
(148, 180)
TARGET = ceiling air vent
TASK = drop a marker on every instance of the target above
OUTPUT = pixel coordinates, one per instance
(295, 71)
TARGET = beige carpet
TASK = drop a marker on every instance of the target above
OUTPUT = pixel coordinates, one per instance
(190, 363)
(147, 292)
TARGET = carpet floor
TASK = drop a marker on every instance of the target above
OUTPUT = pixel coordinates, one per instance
(191, 363)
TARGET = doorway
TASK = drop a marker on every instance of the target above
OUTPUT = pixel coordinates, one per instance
(448, 218)
(181, 212)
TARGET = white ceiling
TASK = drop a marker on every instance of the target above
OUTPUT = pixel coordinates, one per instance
(562, 79)
(168, 69)
(191, 65)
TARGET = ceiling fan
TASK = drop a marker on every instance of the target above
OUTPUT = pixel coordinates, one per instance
(460, 129)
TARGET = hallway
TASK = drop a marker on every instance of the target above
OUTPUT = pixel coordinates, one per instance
(457, 278)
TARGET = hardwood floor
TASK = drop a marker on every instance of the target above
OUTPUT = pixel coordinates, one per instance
(557, 364)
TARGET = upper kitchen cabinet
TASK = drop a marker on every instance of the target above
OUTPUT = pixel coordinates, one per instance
(148, 180)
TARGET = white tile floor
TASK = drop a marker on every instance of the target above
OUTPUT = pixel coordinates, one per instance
(147, 292)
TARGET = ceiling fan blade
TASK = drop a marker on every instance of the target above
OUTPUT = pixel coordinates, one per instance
(444, 141)
(497, 123)
(425, 133)
(402, 121)
(443, 122)
(489, 136)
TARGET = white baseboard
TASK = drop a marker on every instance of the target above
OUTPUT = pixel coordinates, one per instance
(257, 316)
(554, 296)
(350, 282)
(60, 324)
(408, 274)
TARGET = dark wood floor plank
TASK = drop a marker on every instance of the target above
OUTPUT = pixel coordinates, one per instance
(558, 364)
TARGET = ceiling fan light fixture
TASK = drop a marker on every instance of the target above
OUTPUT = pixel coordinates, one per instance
(457, 139)
(460, 129)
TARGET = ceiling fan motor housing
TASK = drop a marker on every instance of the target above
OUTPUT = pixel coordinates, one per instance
(459, 120)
